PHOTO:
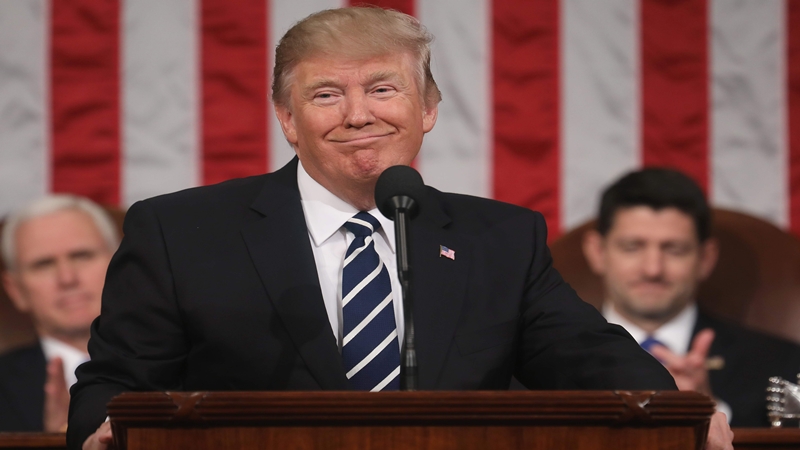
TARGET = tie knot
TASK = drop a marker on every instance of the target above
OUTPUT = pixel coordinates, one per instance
(648, 343)
(362, 224)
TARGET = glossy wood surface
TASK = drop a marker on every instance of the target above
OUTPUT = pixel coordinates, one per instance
(766, 438)
(745, 438)
(32, 441)
(418, 420)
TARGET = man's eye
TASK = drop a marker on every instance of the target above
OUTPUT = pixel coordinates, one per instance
(383, 90)
(44, 264)
(677, 250)
(325, 98)
(83, 256)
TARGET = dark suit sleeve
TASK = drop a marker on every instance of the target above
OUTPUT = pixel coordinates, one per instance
(137, 342)
(567, 344)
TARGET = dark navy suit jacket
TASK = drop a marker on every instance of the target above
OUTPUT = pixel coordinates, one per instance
(748, 358)
(216, 288)
(23, 372)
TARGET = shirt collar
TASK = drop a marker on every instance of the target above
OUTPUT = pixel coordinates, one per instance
(325, 213)
(70, 356)
(675, 334)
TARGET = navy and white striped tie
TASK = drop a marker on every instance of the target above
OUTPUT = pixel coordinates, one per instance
(370, 348)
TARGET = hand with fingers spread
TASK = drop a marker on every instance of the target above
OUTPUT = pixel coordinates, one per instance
(689, 371)
(56, 397)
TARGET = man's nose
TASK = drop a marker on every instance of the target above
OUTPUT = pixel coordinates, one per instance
(653, 263)
(358, 111)
(66, 273)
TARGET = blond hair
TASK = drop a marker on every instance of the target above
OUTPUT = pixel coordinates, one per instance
(358, 33)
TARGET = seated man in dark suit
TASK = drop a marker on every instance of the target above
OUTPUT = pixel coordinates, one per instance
(56, 251)
(287, 281)
(653, 247)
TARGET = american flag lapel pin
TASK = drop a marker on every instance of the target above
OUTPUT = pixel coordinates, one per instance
(447, 252)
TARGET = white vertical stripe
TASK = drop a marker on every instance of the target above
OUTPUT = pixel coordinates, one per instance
(282, 15)
(160, 107)
(600, 100)
(457, 155)
(748, 138)
(24, 111)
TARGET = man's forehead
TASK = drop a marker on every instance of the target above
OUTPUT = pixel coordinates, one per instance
(646, 222)
(57, 229)
(333, 67)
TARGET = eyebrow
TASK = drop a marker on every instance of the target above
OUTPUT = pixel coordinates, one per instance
(374, 78)
(383, 76)
(325, 82)
(49, 259)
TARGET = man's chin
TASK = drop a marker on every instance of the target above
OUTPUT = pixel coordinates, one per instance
(654, 312)
(655, 308)
(655, 315)
(75, 330)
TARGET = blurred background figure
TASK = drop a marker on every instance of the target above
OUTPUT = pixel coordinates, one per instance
(55, 251)
(652, 246)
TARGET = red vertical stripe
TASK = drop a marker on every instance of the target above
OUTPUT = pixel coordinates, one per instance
(675, 84)
(793, 107)
(525, 49)
(234, 88)
(404, 6)
(84, 62)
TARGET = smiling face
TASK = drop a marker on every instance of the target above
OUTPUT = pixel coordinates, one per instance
(651, 262)
(61, 261)
(349, 120)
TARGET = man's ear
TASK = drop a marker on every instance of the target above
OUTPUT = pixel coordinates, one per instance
(286, 119)
(11, 285)
(594, 251)
(709, 254)
(429, 116)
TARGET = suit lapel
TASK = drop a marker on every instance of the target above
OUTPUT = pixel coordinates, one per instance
(280, 249)
(439, 289)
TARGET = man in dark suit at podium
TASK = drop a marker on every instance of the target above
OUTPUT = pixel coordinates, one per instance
(653, 247)
(286, 281)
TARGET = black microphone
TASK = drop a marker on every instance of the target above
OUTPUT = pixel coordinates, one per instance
(397, 195)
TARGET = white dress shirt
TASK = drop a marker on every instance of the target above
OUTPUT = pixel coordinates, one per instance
(676, 335)
(71, 357)
(325, 216)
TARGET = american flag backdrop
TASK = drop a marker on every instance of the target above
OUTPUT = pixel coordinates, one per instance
(545, 101)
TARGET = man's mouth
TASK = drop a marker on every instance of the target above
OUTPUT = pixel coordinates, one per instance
(74, 300)
(651, 285)
(361, 140)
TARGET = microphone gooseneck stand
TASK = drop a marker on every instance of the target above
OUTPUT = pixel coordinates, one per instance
(408, 354)
(397, 194)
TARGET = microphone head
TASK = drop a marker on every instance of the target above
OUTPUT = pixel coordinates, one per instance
(399, 187)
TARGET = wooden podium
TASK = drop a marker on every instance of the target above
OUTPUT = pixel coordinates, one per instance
(411, 420)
